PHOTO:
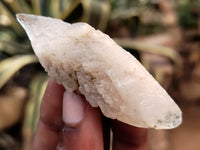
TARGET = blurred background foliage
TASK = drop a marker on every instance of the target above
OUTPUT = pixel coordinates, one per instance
(163, 34)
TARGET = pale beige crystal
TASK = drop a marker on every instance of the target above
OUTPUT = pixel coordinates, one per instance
(88, 61)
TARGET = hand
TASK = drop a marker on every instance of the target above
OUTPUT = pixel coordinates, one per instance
(68, 122)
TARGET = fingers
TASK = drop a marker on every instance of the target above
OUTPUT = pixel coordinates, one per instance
(128, 137)
(50, 122)
(83, 125)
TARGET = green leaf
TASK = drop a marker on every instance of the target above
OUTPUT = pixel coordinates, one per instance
(9, 66)
(127, 13)
(151, 48)
(94, 12)
(68, 7)
(54, 7)
(9, 18)
(12, 6)
(32, 109)
(24, 7)
(13, 48)
(36, 5)
(17, 6)
(99, 14)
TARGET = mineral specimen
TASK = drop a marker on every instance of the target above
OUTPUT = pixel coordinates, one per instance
(88, 61)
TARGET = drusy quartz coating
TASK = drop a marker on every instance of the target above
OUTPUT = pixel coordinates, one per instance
(88, 61)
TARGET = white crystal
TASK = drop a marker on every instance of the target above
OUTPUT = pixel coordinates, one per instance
(86, 60)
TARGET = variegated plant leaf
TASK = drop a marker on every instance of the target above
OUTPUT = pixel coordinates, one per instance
(9, 66)
(8, 18)
(32, 110)
(151, 48)
(14, 48)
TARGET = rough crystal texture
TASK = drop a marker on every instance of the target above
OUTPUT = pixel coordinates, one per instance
(88, 61)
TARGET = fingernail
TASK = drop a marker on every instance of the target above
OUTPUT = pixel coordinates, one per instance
(73, 109)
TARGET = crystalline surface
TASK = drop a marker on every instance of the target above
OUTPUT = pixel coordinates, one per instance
(88, 61)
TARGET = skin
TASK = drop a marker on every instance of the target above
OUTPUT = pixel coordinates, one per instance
(92, 133)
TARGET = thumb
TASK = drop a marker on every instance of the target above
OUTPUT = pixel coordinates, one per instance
(82, 124)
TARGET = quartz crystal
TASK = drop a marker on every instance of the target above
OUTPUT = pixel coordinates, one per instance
(88, 61)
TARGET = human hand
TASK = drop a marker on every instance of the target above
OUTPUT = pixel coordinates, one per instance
(68, 122)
